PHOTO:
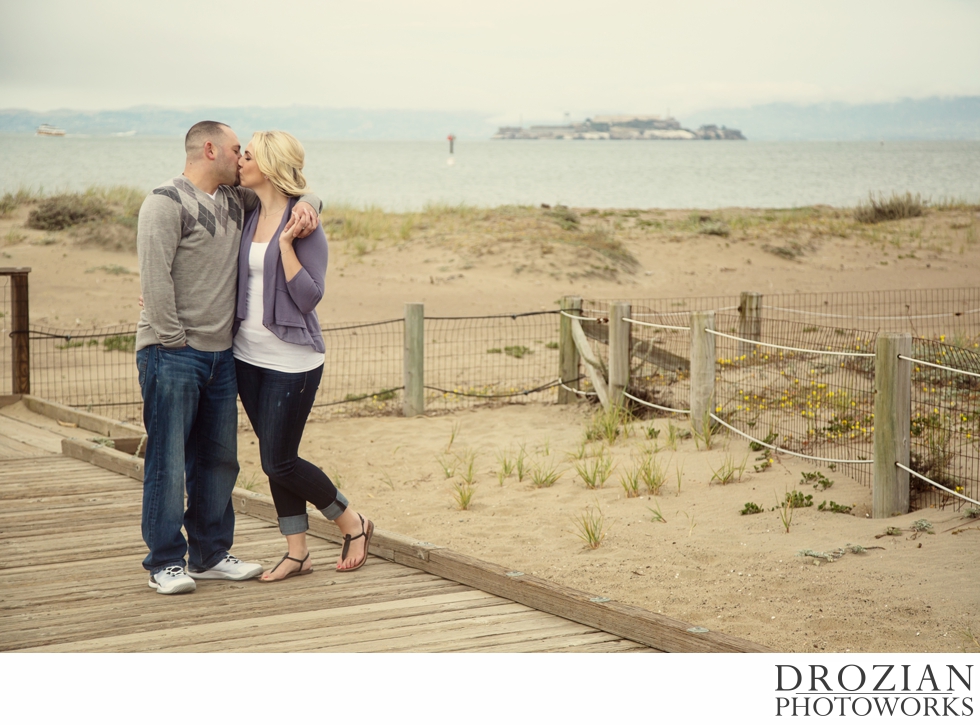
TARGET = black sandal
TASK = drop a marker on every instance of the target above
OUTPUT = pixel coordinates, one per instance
(299, 572)
(366, 531)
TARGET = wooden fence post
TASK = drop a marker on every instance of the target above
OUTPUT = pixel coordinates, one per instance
(414, 367)
(702, 369)
(749, 321)
(893, 394)
(568, 360)
(619, 352)
(20, 331)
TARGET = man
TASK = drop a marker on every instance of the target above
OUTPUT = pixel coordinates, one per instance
(188, 237)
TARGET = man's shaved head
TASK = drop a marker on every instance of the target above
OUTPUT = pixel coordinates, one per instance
(204, 131)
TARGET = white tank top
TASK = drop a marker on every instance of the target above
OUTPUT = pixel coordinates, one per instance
(254, 342)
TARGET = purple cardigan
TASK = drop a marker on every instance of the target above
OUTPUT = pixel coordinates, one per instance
(288, 308)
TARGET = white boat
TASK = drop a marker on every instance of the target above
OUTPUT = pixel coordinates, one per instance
(48, 130)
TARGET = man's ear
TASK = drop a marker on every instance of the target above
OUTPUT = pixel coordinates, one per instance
(210, 152)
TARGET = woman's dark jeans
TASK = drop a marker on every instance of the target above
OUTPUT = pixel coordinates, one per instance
(277, 405)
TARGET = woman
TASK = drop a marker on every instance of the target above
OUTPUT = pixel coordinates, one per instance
(279, 350)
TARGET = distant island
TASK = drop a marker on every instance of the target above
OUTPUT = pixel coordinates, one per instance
(628, 128)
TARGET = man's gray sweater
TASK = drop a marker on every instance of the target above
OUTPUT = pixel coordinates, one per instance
(187, 245)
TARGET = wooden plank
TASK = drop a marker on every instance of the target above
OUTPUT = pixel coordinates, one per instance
(99, 424)
(37, 438)
(646, 350)
(639, 625)
(108, 458)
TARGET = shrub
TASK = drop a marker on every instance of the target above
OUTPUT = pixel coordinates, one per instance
(67, 210)
(897, 206)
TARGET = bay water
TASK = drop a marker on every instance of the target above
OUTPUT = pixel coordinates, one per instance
(405, 176)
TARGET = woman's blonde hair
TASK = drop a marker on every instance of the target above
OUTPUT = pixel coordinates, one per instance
(280, 157)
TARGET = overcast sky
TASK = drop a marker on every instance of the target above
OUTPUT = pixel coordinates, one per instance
(530, 58)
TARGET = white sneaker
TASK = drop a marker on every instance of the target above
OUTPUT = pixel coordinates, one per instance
(230, 568)
(172, 580)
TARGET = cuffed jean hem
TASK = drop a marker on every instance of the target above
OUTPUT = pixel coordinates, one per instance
(334, 510)
(289, 525)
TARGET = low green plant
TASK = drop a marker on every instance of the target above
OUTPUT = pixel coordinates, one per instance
(834, 508)
(797, 500)
(656, 516)
(691, 523)
(68, 344)
(679, 473)
(579, 453)
(115, 269)
(386, 478)
(467, 466)
(463, 494)
(544, 475)
(449, 464)
(520, 463)
(595, 472)
(652, 431)
(765, 465)
(751, 508)
(728, 471)
(591, 526)
(551, 345)
(704, 432)
(608, 425)
(785, 512)
(452, 434)
(517, 351)
(247, 482)
(653, 473)
(494, 350)
(120, 343)
(817, 479)
(505, 466)
(770, 439)
(630, 480)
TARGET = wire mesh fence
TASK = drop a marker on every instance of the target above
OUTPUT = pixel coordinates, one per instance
(490, 359)
(803, 384)
(90, 369)
(945, 436)
(362, 369)
(813, 394)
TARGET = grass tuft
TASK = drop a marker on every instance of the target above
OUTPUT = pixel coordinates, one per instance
(896, 206)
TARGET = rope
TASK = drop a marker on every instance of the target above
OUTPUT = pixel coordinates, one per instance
(681, 312)
(941, 367)
(654, 405)
(783, 450)
(937, 485)
(793, 349)
(574, 390)
(362, 324)
(651, 324)
(540, 388)
(578, 317)
(498, 317)
(358, 398)
(873, 317)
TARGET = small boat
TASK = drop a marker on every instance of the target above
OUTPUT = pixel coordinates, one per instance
(48, 130)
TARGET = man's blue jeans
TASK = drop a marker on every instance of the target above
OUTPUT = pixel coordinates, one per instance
(191, 417)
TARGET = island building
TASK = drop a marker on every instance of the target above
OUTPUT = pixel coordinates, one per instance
(626, 128)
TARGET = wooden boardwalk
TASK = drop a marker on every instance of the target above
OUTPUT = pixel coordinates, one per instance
(71, 580)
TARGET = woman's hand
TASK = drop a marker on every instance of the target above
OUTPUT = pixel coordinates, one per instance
(288, 233)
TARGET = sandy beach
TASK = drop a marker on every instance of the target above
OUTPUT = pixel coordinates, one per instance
(702, 562)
